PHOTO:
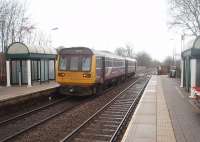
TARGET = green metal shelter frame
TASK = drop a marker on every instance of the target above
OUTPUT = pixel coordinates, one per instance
(192, 52)
(40, 58)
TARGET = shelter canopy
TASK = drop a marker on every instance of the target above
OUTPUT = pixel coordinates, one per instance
(192, 49)
(19, 50)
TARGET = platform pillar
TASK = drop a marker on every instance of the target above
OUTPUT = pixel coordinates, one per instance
(193, 67)
(182, 72)
(8, 72)
(29, 72)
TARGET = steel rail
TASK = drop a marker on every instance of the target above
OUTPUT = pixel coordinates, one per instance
(32, 111)
(38, 123)
(42, 121)
(133, 105)
(101, 109)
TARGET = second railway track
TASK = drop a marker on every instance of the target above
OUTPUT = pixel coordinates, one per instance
(21, 123)
(106, 123)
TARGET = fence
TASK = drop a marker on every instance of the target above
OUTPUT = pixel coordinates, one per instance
(2, 69)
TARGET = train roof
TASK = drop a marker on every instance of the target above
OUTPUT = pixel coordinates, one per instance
(131, 59)
(106, 54)
(86, 50)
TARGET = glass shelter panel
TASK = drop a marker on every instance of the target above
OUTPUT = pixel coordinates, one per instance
(19, 72)
(15, 65)
(51, 69)
(42, 68)
(24, 72)
(198, 73)
(34, 70)
(46, 74)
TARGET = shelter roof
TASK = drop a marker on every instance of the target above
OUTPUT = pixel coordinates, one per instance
(19, 50)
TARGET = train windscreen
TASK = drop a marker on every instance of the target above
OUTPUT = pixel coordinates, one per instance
(74, 63)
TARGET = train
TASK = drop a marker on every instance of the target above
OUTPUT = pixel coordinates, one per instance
(83, 71)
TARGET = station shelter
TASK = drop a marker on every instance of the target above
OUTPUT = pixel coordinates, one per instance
(190, 65)
(27, 65)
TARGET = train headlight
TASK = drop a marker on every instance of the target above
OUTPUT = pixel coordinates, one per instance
(87, 75)
(61, 74)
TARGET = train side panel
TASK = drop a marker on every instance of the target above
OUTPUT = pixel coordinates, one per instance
(109, 69)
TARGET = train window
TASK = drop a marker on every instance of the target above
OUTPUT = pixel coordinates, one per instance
(63, 63)
(98, 62)
(86, 62)
(74, 63)
(108, 63)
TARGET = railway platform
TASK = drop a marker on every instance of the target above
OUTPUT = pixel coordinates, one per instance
(10, 95)
(152, 120)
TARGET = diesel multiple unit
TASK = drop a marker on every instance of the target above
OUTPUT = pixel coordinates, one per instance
(81, 71)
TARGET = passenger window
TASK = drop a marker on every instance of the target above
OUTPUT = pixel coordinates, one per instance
(98, 62)
(74, 63)
(86, 61)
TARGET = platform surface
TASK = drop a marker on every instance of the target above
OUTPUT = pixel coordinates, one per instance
(7, 93)
(151, 121)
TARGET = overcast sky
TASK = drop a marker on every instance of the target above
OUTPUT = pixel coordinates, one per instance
(107, 24)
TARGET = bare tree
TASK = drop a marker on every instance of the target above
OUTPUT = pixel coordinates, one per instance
(120, 51)
(186, 15)
(125, 52)
(168, 61)
(144, 59)
(15, 25)
(129, 51)
(38, 39)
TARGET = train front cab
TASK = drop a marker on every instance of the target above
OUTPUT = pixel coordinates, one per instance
(76, 71)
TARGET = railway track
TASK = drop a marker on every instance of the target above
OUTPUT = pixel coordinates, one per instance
(11, 127)
(107, 122)
(4, 122)
(19, 124)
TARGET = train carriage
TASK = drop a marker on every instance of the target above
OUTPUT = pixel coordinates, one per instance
(81, 70)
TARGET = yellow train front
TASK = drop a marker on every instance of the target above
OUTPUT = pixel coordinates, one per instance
(80, 70)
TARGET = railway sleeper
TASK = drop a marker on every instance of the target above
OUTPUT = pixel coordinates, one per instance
(108, 121)
(117, 107)
(99, 131)
(111, 115)
(107, 126)
(125, 100)
(94, 136)
(128, 96)
(121, 105)
(86, 140)
(111, 112)
(110, 118)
